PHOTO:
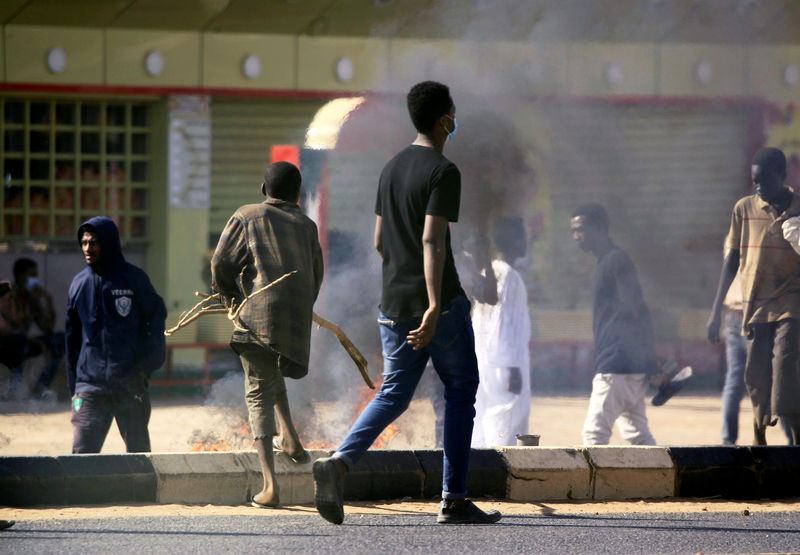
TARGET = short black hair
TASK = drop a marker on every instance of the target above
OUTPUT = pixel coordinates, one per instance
(509, 235)
(427, 102)
(282, 181)
(22, 265)
(594, 214)
(772, 158)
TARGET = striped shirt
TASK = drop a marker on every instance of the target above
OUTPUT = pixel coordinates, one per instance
(769, 269)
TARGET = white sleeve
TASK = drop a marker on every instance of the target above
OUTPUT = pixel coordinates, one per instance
(791, 232)
(514, 329)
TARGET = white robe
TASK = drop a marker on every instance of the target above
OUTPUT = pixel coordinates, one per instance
(502, 334)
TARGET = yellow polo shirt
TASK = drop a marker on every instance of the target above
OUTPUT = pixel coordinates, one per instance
(769, 268)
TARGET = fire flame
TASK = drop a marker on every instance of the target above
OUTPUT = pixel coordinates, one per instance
(233, 439)
(365, 396)
(240, 437)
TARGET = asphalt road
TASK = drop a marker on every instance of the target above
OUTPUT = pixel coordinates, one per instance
(370, 533)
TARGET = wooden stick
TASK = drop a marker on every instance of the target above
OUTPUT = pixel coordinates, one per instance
(233, 313)
(189, 319)
(348, 345)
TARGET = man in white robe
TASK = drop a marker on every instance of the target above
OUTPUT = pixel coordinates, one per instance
(502, 334)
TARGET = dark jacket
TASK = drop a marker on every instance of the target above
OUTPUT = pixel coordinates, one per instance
(623, 331)
(114, 322)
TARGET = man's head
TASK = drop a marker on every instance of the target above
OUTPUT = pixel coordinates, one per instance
(768, 172)
(282, 181)
(431, 108)
(589, 226)
(24, 268)
(509, 238)
(90, 245)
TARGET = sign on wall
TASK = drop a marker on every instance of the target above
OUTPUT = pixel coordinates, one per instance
(189, 151)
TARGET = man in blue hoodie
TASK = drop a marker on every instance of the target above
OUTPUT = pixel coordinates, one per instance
(115, 341)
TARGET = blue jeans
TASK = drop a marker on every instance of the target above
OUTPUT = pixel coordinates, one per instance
(452, 352)
(733, 390)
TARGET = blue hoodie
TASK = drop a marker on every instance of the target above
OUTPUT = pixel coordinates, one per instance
(114, 322)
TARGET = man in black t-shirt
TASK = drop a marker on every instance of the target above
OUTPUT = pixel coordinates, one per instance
(624, 356)
(424, 312)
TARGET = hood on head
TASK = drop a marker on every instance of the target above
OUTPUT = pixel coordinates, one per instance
(108, 234)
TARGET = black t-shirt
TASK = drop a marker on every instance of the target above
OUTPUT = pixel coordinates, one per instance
(418, 181)
(623, 332)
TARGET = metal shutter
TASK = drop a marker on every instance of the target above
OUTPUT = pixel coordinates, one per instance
(668, 174)
(242, 132)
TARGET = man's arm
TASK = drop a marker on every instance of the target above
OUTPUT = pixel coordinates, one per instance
(44, 313)
(229, 258)
(486, 286)
(729, 268)
(434, 236)
(378, 238)
(515, 330)
(629, 290)
(319, 264)
(154, 315)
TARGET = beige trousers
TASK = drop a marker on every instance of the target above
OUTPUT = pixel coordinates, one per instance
(617, 398)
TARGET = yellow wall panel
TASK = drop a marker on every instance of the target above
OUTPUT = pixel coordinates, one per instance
(456, 64)
(126, 51)
(224, 54)
(27, 48)
(770, 73)
(682, 70)
(186, 245)
(538, 68)
(612, 69)
(2, 55)
(317, 58)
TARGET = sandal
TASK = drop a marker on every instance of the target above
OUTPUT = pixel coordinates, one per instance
(302, 458)
(258, 505)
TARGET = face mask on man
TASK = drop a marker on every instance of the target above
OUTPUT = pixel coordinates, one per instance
(452, 134)
(32, 283)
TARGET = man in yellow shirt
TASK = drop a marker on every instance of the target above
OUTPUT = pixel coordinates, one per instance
(769, 271)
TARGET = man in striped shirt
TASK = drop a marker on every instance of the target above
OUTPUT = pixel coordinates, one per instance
(769, 271)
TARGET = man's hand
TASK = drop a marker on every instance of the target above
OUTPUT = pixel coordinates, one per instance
(420, 337)
(5, 287)
(712, 328)
(514, 380)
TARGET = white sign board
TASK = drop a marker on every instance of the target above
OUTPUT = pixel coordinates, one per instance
(189, 151)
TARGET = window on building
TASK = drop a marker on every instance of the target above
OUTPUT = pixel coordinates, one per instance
(64, 161)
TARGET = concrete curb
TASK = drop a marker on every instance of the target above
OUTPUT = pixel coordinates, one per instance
(513, 473)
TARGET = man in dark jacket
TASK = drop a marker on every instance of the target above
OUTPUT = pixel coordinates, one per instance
(115, 341)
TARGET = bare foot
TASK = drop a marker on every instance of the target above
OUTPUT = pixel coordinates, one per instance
(266, 499)
(292, 448)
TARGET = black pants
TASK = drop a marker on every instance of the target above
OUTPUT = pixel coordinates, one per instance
(92, 415)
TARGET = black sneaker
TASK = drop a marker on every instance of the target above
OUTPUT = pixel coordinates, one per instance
(670, 388)
(465, 513)
(328, 490)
